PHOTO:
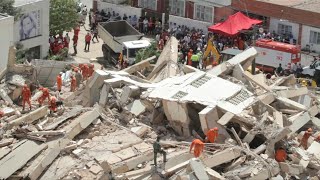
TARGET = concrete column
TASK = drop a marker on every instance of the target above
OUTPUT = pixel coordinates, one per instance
(300, 34)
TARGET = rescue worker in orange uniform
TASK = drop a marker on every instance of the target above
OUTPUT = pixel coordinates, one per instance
(26, 96)
(59, 82)
(198, 147)
(53, 106)
(190, 53)
(281, 155)
(45, 94)
(212, 135)
(1, 114)
(84, 72)
(304, 140)
(91, 70)
(73, 84)
(121, 60)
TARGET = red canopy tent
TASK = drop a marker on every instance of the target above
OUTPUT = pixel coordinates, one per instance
(234, 24)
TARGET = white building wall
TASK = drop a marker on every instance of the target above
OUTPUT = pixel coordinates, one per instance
(305, 39)
(121, 9)
(190, 23)
(6, 32)
(43, 8)
(274, 26)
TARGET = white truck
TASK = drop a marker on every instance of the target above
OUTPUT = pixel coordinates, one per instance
(121, 37)
(309, 71)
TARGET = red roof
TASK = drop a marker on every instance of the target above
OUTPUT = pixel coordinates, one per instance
(234, 24)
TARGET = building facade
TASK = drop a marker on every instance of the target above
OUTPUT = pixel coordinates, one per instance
(32, 29)
(6, 31)
(199, 14)
(300, 18)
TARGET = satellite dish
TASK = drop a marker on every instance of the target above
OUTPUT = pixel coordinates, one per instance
(260, 30)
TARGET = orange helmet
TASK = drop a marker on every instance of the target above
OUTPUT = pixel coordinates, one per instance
(25, 86)
(215, 129)
(45, 89)
(309, 130)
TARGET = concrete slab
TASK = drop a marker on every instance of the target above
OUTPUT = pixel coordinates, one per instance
(292, 104)
(18, 158)
(125, 153)
(299, 121)
(104, 94)
(129, 91)
(199, 169)
(143, 147)
(8, 111)
(252, 79)
(214, 175)
(293, 169)
(140, 131)
(31, 116)
(5, 96)
(225, 118)
(136, 107)
(314, 148)
(221, 157)
(278, 118)
(293, 92)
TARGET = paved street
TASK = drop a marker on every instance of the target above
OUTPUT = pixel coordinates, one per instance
(95, 48)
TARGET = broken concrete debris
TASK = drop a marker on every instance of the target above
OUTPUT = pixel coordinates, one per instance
(107, 128)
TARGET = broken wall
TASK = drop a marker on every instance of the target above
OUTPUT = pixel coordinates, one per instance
(177, 115)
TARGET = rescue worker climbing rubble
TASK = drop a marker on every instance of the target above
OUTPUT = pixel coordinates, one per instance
(198, 147)
(26, 96)
(59, 82)
(84, 72)
(212, 135)
(52, 104)
(157, 149)
(304, 140)
(45, 94)
(281, 155)
(73, 84)
(91, 70)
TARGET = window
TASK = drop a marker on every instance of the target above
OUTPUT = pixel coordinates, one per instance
(149, 4)
(314, 37)
(177, 7)
(203, 13)
(284, 29)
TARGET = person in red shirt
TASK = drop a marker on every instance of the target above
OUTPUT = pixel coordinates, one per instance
(190, 53)
(87, 42)
(75, 43)
(73, 85)
(76, 31)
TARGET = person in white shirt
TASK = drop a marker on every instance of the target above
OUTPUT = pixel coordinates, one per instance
(145, 25)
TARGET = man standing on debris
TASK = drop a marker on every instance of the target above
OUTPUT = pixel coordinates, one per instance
(212, 135)
(73, 84)
(45, 94)
(26, 96)
(195, 60)
(198, 147)
(304, 140)
(59, 82)
(157, 149)
(78, 77)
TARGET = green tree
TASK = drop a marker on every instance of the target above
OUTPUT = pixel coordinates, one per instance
(63, 15)
(6, 6)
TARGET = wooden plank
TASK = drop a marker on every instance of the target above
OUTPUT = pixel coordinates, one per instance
(18, 158)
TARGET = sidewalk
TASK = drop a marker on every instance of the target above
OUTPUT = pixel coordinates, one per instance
(83, 56)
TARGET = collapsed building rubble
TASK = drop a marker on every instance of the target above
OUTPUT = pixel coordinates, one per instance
(107, 127)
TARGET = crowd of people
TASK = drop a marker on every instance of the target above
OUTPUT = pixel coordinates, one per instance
(58, 43)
